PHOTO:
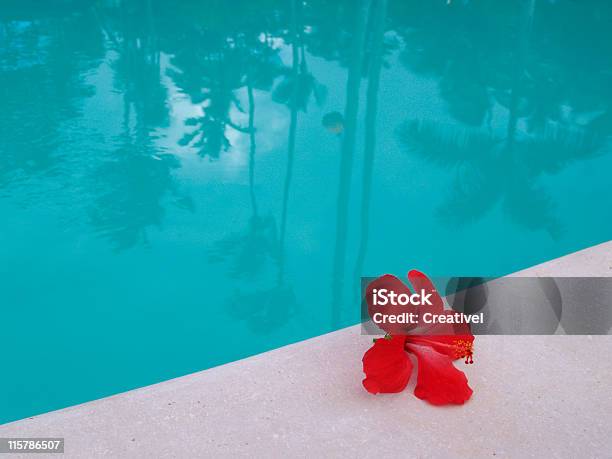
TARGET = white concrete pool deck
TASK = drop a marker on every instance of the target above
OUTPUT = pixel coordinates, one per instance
(534, 396)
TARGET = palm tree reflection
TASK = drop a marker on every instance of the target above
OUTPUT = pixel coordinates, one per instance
(523, 155)
(251, 253)
(378, 31)
(346, 161)
(135, 184)
(268, 308)
(137, 177)
(45, 55)
(211, 63)
(478, 157)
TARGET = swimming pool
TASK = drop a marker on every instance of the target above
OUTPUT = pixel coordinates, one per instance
(184, 186)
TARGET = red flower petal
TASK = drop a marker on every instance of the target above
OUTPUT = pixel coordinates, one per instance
(453, 346)
(438, 381)
(390, 283)
(420, 282)
(386, 366)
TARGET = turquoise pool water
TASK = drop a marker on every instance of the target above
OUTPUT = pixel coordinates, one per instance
(183, 186)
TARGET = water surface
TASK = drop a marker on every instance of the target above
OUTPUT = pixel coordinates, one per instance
(186, 185)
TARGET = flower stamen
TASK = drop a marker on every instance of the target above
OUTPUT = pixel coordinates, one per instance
(464, 349)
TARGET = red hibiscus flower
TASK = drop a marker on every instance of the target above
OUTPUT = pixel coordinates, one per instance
(387, 365)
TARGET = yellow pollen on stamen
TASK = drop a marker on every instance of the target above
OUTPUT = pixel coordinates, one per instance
(464, 348)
